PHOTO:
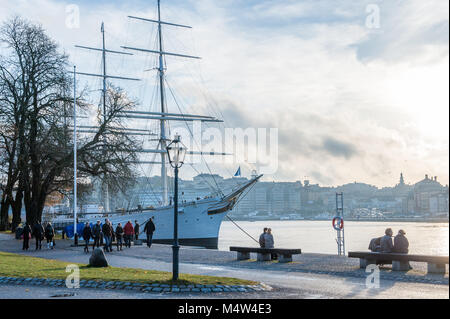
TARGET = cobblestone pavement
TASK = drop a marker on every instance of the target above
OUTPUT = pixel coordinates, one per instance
(308, 276)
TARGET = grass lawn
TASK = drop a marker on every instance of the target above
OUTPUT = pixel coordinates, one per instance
(16, 265)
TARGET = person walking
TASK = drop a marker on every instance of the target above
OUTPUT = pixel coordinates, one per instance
(149, 229)
(261, 238)
(136, 230)
(38, 233)
(119, 236)
(107, 235)
(49, 234)
(87, 235)
(386, 245)
(97, 232)
(269, 242)
(129, 232)
(26, 236)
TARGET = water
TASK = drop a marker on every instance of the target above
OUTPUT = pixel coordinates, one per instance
(320, 237)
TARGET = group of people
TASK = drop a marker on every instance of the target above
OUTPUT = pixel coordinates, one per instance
(385, 244)
(266, 240)
(121, 235)
(39, 232)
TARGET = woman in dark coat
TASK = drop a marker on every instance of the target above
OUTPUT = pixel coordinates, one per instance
(49, 234)
(26, 236)
(119, 236)
(87, 234)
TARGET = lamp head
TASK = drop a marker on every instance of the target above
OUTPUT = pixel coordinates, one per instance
(176, 152)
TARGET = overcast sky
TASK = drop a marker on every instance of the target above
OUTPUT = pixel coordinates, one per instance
(357, 89)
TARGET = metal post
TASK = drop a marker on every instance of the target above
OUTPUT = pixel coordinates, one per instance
(175, 246)
(75, 235)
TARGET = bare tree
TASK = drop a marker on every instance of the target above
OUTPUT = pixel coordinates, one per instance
(36, 144)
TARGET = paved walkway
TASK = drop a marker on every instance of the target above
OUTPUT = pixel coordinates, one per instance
(308, 276)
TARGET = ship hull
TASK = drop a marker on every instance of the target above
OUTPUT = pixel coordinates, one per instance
(198, 222)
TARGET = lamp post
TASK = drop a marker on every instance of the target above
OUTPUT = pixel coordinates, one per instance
(176, 152)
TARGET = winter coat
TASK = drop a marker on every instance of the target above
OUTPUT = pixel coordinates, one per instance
(119, 232)
(26, 231)
(87, 232)
(268, 240)
(38, 231)
(107, 230)
(128, 229)
(136, 228)
(149, 227)
(97, 230)
(386, 244)
(262, 244)
(49, 231)
(401, 244)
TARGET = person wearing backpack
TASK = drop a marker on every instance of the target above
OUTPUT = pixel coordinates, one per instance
(119, 236)
(149, 229)
(107, 235)
(38, 232)
(96, 232)
(49, 234)
(87, 235)
(26, 236)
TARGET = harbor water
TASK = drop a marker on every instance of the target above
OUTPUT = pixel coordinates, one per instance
(320, 237)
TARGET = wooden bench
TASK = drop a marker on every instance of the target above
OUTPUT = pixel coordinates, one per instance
(400, 262)
(264, 254)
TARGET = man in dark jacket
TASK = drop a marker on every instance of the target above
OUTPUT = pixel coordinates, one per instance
(261, 238)
(386, 244)
(26, 236)
(38, 232)
(136, 229)
(149, 229)
(107, 234)
(97, 232)
(119, 236)
(87, 234)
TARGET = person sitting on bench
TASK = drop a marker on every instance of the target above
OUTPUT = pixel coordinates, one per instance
(386, 245)
(401, 243)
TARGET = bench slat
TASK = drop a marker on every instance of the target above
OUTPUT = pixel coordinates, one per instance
(398, 257)
(266, 250)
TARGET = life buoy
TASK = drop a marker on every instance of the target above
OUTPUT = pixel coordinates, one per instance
(338, 223)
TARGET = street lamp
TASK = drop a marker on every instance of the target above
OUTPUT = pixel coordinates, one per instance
(176, 151)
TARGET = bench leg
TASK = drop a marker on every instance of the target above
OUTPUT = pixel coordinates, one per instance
(363, 263)
(400, 265)
(264, 257)
(243, 255)
(285, 258)
(436, 268)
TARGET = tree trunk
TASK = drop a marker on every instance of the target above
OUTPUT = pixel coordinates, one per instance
(4, 207)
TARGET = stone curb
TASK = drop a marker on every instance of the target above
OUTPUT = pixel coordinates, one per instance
(121, 285)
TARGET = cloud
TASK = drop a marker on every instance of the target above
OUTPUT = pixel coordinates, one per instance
(338, 148)
(350, 103)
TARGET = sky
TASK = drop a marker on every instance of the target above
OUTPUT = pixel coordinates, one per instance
(356, 90)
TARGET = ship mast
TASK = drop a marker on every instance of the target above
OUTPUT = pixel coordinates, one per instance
(162, 138)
